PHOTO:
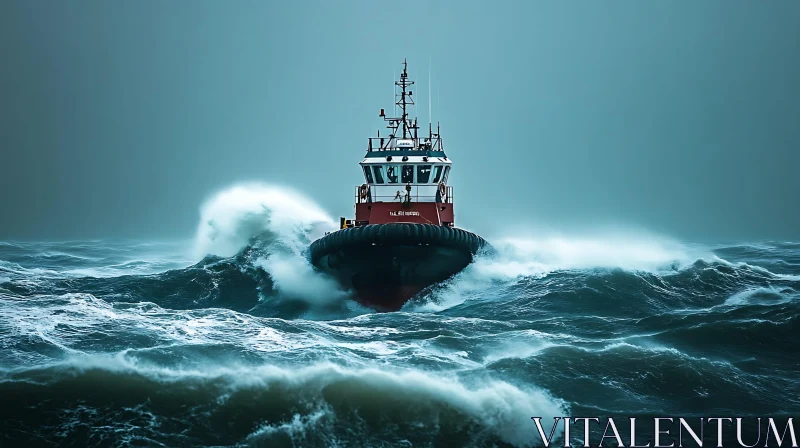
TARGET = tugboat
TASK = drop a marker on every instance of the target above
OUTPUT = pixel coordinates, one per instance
(403, 238)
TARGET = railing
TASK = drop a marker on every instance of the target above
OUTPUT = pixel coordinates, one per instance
(404, 196)
(390, 144)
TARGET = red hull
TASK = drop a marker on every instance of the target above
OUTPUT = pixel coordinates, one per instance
(437, 213)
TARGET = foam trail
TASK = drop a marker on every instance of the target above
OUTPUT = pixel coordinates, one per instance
(233, 216)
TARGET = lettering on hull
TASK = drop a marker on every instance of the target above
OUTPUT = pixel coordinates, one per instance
(403, 213)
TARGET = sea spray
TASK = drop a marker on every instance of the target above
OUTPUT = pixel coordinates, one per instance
(232, 217)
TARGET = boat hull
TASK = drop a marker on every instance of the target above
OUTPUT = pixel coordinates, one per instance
(387, 264)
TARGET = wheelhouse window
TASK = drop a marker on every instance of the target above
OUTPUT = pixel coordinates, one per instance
(391, 174)
(423, 174)
(368, 175)
(408, 174)
(437, 173)
(446, 173)
(378, 170)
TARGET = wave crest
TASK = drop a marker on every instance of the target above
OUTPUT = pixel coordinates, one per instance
(367, 403)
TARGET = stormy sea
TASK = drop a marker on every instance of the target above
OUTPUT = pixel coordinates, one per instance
(231, 338)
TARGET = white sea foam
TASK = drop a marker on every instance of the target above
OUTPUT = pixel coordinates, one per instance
(64, 320)
(635, 252)
(297, 428)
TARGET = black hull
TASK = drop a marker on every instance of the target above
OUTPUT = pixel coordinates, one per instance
(387, 264)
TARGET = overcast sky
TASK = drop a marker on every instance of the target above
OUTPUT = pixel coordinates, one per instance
(120, 118)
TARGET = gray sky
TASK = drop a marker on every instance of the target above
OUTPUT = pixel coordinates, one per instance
(120, 118)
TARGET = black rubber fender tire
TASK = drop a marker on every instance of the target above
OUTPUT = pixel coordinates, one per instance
(400, 233)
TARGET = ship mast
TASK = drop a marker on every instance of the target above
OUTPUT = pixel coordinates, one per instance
(405, 99)
(410, 126)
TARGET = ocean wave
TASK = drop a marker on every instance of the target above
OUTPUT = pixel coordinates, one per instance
(226, 352)
(640, 276)
(267, 402)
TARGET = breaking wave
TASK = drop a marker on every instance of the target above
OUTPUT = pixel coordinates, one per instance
(234, 216)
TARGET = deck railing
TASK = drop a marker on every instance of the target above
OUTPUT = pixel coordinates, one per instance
(404, 196)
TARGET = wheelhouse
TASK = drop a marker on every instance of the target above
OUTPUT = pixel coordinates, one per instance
(414, 172)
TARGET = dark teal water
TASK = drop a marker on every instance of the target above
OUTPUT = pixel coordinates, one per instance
(134, 344)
